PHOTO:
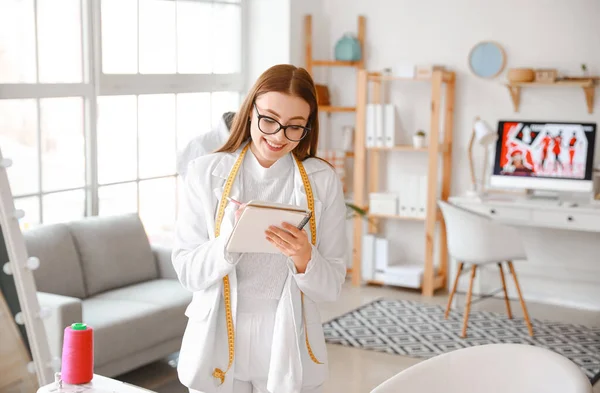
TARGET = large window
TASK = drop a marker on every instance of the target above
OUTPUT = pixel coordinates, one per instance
(97, 98)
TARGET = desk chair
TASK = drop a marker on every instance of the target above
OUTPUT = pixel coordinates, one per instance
(492, 368)
(477, 240)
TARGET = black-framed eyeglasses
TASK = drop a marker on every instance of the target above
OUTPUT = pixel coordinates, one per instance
(269, 126)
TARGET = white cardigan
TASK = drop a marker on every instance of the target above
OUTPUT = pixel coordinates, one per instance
(201, 262)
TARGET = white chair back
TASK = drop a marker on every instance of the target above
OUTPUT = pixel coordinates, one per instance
(493, 368)
(475, 238)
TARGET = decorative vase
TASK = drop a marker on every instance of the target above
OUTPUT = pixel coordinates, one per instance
(418, 141)
(347, 48)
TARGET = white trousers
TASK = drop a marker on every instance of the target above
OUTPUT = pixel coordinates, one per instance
(253, 338)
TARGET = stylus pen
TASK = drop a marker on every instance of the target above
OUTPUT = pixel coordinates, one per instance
(234, 201)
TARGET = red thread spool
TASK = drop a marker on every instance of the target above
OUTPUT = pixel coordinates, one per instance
(78, 354)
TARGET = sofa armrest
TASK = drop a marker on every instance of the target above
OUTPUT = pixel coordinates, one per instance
(64, 311)
(162, 255)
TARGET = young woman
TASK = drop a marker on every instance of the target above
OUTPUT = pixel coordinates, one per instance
(253, 323)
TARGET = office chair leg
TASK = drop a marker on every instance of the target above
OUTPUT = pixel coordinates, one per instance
(525, 314)
(468, 305)
(453, 291)
(505, 292)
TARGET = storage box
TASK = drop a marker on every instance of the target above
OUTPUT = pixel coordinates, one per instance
(546, 75)
(407, 274)
(404, 71)
(426, 71)
(383, 203)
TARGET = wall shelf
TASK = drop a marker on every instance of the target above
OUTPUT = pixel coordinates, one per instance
(588, 86)
(335, 63)
(396, 217)
(442, 148)
(330, 109)
(438, 282)
(447, 77)
(404, 218)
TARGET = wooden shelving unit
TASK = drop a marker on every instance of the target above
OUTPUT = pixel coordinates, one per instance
(335, 63)
(404, 148)
(331, 109)
(311, 63)
(396, 217)
(588, 86)
(439, 150)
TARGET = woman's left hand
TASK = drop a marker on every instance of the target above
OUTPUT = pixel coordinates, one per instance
(293, 243)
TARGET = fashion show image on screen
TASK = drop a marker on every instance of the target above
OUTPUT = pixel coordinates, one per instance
(545, 150)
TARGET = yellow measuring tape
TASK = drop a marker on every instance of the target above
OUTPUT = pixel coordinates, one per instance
(218, 373)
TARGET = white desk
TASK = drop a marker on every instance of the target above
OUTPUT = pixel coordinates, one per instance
(520, 211)
(99, 384)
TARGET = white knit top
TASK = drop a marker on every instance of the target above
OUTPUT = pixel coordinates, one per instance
(263, 276)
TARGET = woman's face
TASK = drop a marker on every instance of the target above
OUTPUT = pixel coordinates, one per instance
(274, 107)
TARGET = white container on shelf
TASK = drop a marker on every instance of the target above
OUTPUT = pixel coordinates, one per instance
(405, 274)
(383, 203)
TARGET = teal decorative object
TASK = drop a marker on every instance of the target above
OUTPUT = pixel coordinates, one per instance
(348, 48)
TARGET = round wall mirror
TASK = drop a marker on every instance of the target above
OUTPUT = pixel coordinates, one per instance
(487, 59)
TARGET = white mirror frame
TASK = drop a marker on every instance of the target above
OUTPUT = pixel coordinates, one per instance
(24, 280)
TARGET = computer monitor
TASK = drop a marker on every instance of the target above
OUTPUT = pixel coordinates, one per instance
(542, 155)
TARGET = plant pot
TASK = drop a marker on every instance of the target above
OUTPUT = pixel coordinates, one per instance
(418, 141)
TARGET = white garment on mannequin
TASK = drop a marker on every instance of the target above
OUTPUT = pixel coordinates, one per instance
(262, 276)
(204, 144)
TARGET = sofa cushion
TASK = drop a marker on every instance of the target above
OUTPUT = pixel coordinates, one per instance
(134, 318)
(59, 272)
(114, 252)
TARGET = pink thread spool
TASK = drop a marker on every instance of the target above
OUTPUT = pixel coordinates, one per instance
(78, 354)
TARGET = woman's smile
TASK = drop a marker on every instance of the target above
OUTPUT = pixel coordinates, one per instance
(274, 146)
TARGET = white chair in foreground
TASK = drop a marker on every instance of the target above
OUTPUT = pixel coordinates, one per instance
(477, 240)
(493, 368)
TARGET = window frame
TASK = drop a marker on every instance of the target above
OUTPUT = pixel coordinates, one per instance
(95, 83)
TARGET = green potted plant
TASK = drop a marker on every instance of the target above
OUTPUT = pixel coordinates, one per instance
(584, 70)
(354, 210)
(419, 139)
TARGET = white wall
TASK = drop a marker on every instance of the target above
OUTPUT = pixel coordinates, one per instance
(276, 33)
(269, 36)
(535, 33)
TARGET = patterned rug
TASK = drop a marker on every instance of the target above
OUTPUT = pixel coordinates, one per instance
(414, 329)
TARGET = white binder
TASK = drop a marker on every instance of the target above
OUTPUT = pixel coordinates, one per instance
(381, 254)
(422, 200)
(370, 126)
(367, 265)
(403, 196)
(412, 191)
(379, 131)
(389, 125)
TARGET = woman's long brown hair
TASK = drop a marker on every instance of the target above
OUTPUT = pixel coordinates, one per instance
(282, 78)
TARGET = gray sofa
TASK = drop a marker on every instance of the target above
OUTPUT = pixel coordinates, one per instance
(103, 271)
